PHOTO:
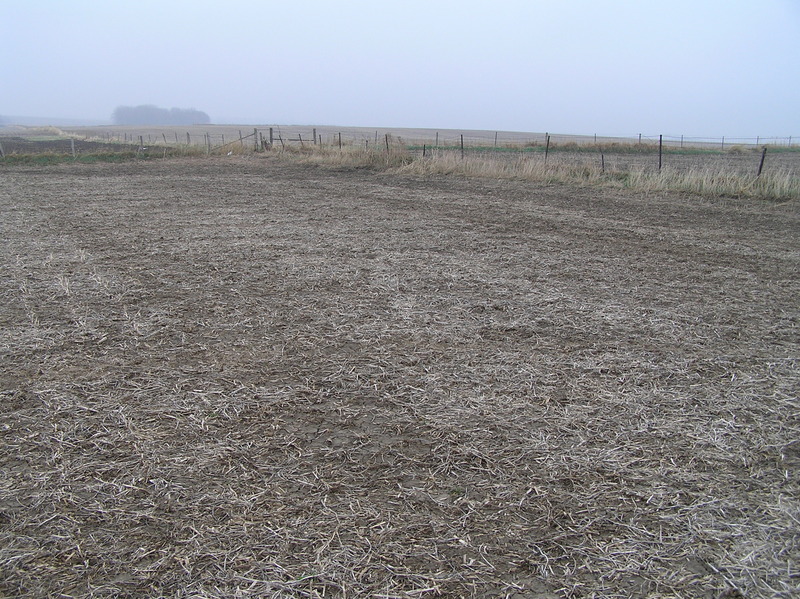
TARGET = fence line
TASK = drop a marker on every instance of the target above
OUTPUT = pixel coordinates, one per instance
(415, 137)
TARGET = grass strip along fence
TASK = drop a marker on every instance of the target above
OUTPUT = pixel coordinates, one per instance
(737, 171)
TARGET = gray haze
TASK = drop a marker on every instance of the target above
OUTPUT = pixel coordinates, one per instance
(699, 68)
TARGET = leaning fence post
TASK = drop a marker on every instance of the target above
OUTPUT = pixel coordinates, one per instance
(546, 146)
(761, 164)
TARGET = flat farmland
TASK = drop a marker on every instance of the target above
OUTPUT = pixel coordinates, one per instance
(250, 377)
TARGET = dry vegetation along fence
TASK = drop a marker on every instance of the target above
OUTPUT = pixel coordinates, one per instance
(767, 168)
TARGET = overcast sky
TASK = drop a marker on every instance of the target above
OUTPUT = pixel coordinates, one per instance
(614, 67)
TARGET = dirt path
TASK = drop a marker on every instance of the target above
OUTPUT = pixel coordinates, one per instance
(250, 376)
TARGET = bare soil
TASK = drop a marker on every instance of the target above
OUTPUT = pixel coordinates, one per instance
(254, 378)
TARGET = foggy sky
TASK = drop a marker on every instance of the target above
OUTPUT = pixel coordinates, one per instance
(694, 67)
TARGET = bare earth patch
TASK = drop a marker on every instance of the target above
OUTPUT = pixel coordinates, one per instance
(252, 378)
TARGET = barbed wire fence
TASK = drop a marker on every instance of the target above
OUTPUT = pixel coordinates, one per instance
(613, 153)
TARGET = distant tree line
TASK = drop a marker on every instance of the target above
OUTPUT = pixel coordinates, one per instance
(153, 115)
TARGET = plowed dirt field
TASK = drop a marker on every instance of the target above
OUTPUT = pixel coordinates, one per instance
(254, 378)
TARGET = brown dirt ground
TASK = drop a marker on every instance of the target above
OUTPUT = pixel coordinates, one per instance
(252, 378)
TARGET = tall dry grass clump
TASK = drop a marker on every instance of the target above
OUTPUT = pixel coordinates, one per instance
(774, 185)
(353, 156)
(708, 181)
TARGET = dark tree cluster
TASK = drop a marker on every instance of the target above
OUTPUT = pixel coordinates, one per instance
(153, 115)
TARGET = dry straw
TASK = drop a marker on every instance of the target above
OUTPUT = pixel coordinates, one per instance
(258, 378)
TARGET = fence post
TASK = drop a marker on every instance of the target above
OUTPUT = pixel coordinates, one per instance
(462, 146)
(271, 138)
(761, 164)
(2, 154)
(495, 139)
(546, 146)
(640, 139)
(423, 150)
(340, 140)
(255, 139)
(602, 163)
(188, 139)
(723, 142)
(387, 144)
(659, 151)
(437, 139)
(315, 136)
(72, 144)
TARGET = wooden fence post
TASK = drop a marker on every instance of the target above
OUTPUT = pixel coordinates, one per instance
(723, 142)
(761, 164)
(423, 150)
(188, 139)
(2, 154)
(271, 138)
(340, 140)
(437, 139)
(255, 139)
(546, 146)
(315, 137)
(462, 146)
(602, 163)
(387, 144)
(659, 152)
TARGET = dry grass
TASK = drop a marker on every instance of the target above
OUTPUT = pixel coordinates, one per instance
(257, 378)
